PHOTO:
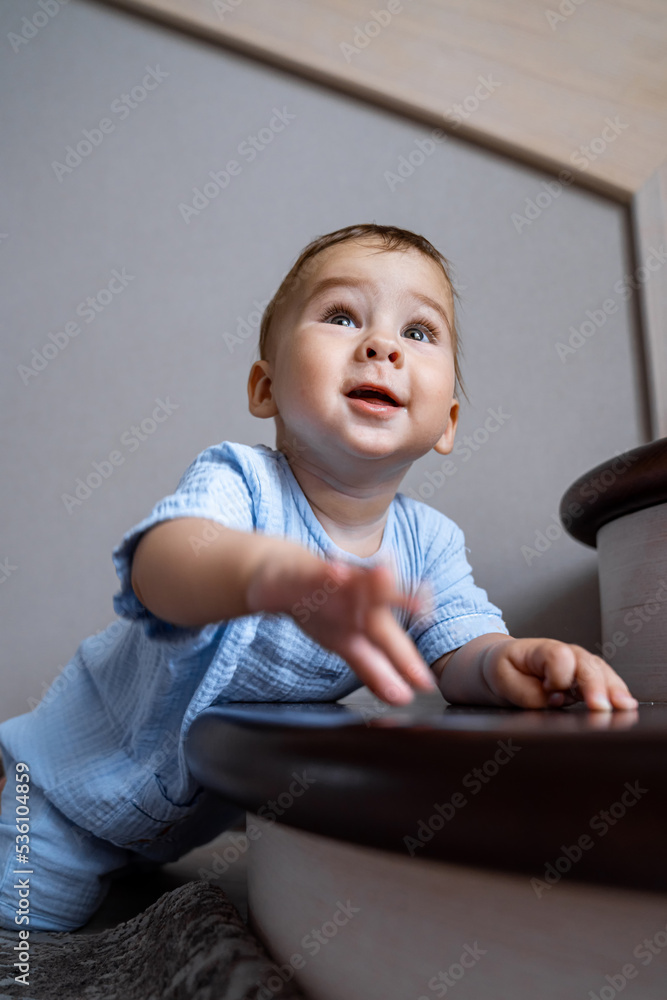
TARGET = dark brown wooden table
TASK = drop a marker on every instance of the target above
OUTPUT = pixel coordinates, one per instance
(499, 788)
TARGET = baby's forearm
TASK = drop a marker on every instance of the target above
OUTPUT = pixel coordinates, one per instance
(192, 585)
(462, 680)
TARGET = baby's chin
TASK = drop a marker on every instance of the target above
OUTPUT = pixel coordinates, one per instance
(340, 440)
(379, 448)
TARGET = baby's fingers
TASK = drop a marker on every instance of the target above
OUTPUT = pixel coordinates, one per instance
(575, 673)
(514, 686)
(601, 687)
(375, 670)
(385, 632)
(386, 658)
(375, 588)
(619, 692)
(381, 654)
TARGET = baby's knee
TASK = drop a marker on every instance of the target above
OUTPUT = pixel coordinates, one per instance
(48, 896)
(56, 879)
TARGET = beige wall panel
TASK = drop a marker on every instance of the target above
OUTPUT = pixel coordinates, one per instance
(558, 79)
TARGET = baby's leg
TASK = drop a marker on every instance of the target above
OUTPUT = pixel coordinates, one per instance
(68, 871)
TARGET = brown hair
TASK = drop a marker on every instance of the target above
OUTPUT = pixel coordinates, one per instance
(390, 238)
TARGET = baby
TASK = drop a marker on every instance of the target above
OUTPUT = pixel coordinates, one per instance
(295, 574)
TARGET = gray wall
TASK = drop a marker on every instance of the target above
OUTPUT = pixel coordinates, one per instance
(162, 336)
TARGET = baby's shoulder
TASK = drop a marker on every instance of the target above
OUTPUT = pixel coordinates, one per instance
(232, 452)
(256, 464)
(429, 535)
(424, 521)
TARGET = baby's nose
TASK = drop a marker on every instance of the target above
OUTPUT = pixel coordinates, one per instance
(391, 352)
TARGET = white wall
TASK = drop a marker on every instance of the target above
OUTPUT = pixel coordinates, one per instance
(162, 336)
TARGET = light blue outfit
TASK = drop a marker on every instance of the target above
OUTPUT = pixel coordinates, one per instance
(105, 746)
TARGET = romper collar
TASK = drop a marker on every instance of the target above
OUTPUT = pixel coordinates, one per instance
(316, 530)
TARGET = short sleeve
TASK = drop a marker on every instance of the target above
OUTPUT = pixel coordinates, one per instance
(460, 610)
(221, 486)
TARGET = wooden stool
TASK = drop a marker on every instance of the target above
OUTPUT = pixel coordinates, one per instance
(620, 506)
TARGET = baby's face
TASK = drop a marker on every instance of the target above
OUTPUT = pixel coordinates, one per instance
(366, 318)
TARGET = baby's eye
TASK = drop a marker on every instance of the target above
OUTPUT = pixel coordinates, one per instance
(334, 313)
(337, 319)
(417, 329)
(338, 314)
(426, 331)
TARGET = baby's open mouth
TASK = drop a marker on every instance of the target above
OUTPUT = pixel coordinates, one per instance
(373, 395)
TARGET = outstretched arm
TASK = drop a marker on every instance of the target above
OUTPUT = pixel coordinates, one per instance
(345, 608)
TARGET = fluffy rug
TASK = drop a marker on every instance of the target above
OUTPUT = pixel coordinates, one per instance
(189, 945)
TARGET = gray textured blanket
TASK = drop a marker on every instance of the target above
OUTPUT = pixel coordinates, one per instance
(189, 945)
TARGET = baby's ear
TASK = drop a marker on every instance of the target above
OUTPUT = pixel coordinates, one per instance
(445, 444)
(260, 397)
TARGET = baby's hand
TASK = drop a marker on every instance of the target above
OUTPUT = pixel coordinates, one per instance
(541, 673)
(356, 622)
(347, 609)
